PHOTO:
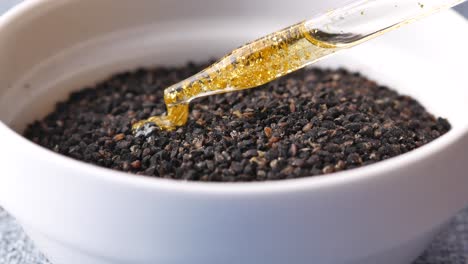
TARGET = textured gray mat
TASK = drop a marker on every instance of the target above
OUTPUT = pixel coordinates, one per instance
(451, 247)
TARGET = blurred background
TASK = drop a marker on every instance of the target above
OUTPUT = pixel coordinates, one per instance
(463, 9)
(6, 4)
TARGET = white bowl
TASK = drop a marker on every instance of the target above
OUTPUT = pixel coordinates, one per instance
(80, 213)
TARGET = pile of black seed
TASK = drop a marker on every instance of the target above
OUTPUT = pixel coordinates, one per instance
(309, 123)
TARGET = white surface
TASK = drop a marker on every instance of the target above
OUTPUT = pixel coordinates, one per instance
(49, 49)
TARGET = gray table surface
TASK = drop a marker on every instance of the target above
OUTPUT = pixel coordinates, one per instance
(451, 247)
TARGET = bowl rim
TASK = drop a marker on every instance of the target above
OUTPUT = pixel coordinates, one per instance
(97, 173)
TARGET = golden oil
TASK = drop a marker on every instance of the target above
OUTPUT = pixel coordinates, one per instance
(249, 66)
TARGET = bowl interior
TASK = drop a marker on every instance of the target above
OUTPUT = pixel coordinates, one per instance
(408, 60)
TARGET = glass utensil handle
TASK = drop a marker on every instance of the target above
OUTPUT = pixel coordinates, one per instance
(366, 19)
